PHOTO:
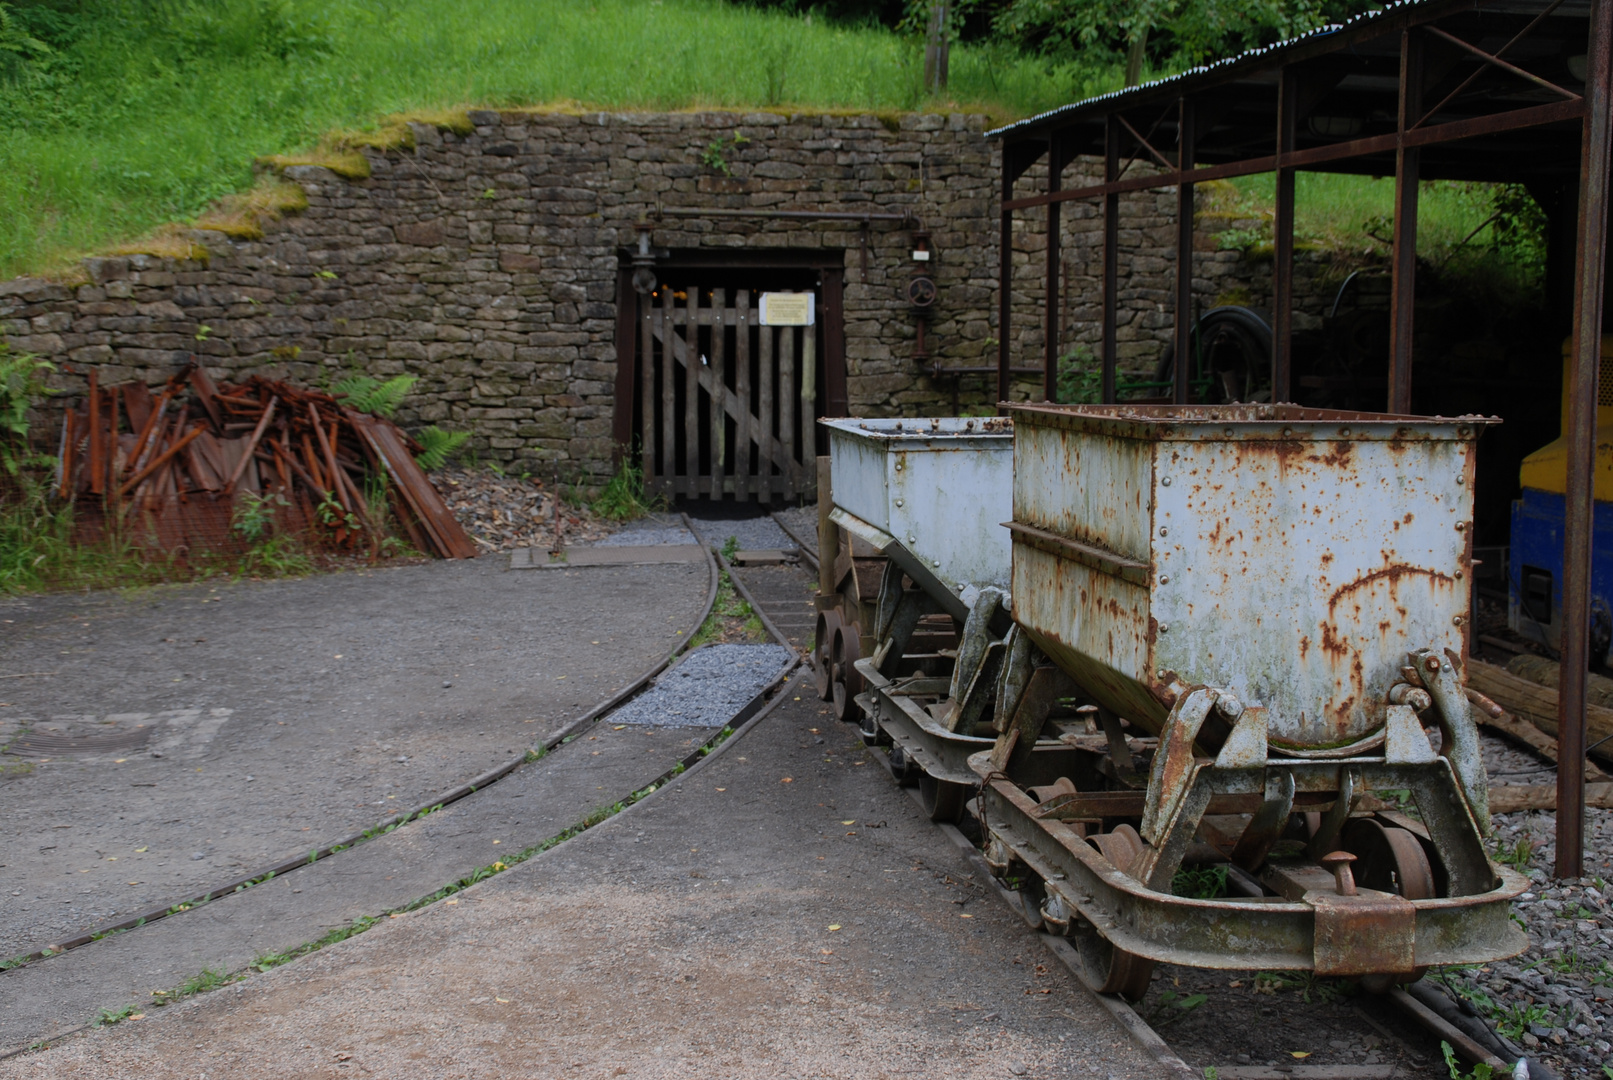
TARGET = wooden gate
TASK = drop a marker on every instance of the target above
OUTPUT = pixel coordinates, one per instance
(725, 405)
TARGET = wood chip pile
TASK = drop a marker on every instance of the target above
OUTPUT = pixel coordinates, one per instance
(203, 467)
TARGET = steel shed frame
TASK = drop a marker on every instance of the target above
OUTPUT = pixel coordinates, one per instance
(1488, 90)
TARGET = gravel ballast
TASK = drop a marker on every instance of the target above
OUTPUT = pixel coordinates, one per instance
(1554, 1002)
(707, 688)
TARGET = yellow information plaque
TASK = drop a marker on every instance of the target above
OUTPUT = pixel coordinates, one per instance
(786, 309)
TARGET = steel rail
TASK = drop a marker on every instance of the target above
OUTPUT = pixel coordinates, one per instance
(385, 825)
(1146, 1038)
(767, 623)
(809, 553)
(752, 713)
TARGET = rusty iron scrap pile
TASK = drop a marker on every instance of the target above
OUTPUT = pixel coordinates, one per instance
(203, 467)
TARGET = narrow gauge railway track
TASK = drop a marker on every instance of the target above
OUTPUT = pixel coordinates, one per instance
(480, 782)
(1404, 1028)
(446, 847)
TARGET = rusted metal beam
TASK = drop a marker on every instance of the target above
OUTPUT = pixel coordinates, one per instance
(1185, 130)
(1050, 343)
(1587, 362)
(1282, 272)
(1005, 285)
(1111, 258)
(1496, 60)
(1493, 124)
(1465, 83)
(1403, 261)
(1144, 144)
(1340, 41)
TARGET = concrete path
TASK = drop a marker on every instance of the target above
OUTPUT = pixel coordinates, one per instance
(276, 717)
(782, 911)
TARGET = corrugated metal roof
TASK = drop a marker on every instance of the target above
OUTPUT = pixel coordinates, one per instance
(1203, 69)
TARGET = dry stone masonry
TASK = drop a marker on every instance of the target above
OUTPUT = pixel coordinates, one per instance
(486, 264)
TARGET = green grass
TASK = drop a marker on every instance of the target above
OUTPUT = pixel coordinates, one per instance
(159, 108)
(1353, 215)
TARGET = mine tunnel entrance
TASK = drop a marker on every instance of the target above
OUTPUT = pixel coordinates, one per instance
(731, 367)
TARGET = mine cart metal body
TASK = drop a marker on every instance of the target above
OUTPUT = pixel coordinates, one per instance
(1248, 612)
(912, 544)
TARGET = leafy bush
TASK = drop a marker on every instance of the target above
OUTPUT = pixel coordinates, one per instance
(22, 384)
(1080, 380)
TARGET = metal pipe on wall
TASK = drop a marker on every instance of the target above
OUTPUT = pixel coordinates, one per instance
(1595, 160)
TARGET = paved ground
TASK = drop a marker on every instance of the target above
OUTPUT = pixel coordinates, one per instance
(784, 911)
(536, 802)
(277, 717)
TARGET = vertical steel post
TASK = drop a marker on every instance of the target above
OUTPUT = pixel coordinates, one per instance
(1282, 272)
(1408, 161)
(1579, 509)
(1111, 257)
(1184, 253)
(1005, 279)
(1050, 343)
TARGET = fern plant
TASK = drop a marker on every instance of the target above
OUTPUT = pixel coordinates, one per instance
(370, 395)
(439, 446)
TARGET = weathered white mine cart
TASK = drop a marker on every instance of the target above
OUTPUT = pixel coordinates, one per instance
(1235, 622)
(915, 564)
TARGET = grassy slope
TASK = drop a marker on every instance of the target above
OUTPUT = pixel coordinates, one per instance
(138, 142)
(1331, 210)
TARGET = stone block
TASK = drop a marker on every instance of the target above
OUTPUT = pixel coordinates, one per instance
(421, 233)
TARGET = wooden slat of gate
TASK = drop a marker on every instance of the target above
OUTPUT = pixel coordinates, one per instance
(809, 392)
(764, 416)
(691, 394)
(647, 381)
(669, 372)
(742, 394)
(719, 387)
(786, 414)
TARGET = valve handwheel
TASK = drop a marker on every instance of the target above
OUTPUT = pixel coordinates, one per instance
(921, 292)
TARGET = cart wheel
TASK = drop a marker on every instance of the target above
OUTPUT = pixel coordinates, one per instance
(828, 623)
(1032, 891)
(1121, 847)
(845, 651)
(1114, 971)
(903, 767)
(943, 800)
(1388, 859)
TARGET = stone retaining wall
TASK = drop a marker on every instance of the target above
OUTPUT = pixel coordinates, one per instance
(486, 264)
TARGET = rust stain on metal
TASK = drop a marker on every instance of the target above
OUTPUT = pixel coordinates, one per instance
(1391, 574)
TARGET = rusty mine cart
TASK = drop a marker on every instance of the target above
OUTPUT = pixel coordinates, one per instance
(1229, 626)
(913, 585)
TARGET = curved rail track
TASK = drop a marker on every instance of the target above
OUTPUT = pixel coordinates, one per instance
(1408, 1025)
